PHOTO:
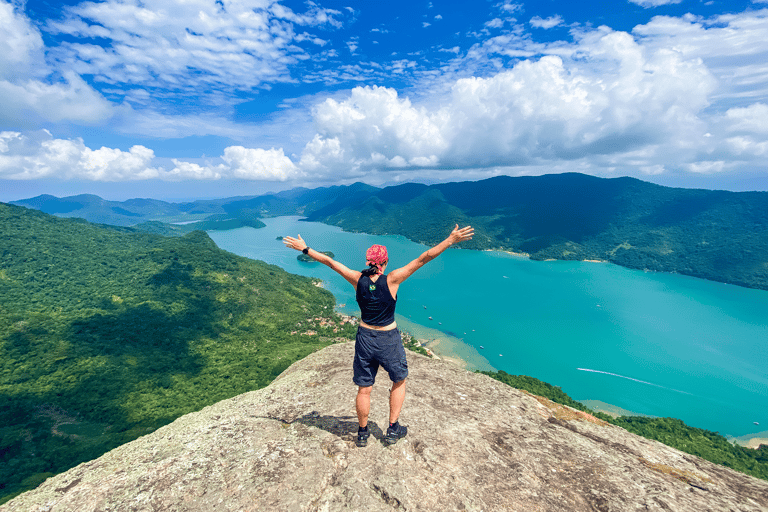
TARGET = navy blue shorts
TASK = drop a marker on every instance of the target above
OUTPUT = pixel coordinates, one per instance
(374, 348)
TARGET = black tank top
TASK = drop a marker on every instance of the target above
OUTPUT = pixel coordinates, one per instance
(377, 306)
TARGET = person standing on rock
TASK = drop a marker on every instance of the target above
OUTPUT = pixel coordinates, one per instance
(378, 341)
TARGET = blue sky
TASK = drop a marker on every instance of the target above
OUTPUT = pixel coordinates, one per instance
(179, 99)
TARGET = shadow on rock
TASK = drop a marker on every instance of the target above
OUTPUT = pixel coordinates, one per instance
(340, 426)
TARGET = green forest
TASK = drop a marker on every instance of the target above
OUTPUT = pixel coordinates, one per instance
(670, 431)
(108, 333)
(716, 235)
(712, 234)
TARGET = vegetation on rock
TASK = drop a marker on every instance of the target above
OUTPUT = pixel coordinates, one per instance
(670, 431)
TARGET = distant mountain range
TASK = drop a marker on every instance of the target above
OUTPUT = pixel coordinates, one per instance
(716, 235)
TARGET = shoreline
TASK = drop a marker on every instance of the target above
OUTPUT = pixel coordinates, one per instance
(452, 349)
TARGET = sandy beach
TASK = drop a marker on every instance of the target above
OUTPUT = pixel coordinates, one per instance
(445, 346)
(751, 440)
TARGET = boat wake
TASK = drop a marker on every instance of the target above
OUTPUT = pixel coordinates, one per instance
(635, 380)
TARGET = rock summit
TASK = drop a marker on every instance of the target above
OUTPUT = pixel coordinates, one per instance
(473, 444)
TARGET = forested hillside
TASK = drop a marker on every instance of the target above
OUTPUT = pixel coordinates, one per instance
(107, 334)
(716, 235)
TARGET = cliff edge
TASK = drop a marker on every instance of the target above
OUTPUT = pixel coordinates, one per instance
(473, 444)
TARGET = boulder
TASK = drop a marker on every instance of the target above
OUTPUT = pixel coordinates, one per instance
(473, 444)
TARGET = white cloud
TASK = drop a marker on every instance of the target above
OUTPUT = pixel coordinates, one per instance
(373, 127)
(618, 99)
(188, 44)
(72, 100)
(546, 23)
(192, 171)
(259, 164)
(352, 44)
(654, 3)
(494, 23)
(26, 98)
(732, 46)
(706, 167)
(425, 24)
(20, 44)
(38, 155)
(240, 163)
(510, 7)
(753, 118)
(439, 16)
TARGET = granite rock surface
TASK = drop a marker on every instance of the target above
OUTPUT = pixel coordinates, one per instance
(473, 444)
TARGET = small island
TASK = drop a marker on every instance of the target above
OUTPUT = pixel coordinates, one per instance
(305, 257)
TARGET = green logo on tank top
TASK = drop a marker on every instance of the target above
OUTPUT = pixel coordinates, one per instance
(372, 287)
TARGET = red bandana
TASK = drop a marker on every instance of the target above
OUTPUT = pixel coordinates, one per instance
(376, 254)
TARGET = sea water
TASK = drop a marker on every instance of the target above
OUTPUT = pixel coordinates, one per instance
(652, 343)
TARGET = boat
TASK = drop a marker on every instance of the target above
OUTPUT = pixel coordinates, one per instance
(756, 423)
(482, 346)
(425, 307)
(430, 318)
(439, 323)
(500, 355)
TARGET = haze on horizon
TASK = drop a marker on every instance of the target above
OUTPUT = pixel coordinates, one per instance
(214, 98)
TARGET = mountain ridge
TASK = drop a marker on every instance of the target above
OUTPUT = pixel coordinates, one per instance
(716, 235)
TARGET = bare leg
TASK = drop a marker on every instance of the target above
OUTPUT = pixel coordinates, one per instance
(363, 404)
(396, 398)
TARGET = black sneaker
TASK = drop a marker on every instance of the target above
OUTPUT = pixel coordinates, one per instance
(362, 438)
(394, 433)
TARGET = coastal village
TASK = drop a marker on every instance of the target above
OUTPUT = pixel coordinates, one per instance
(325, 325)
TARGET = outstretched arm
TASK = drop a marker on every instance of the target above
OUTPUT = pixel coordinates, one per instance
(457, 235)
(299, 244)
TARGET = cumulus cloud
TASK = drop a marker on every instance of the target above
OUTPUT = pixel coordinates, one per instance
(259, 164)
(546, 23)
(38, 154)
(373, 127)
(618, 99)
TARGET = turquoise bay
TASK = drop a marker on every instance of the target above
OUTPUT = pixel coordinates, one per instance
(656, 344)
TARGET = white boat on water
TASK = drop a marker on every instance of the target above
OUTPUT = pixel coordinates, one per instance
(482, 346)
(756, 423)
